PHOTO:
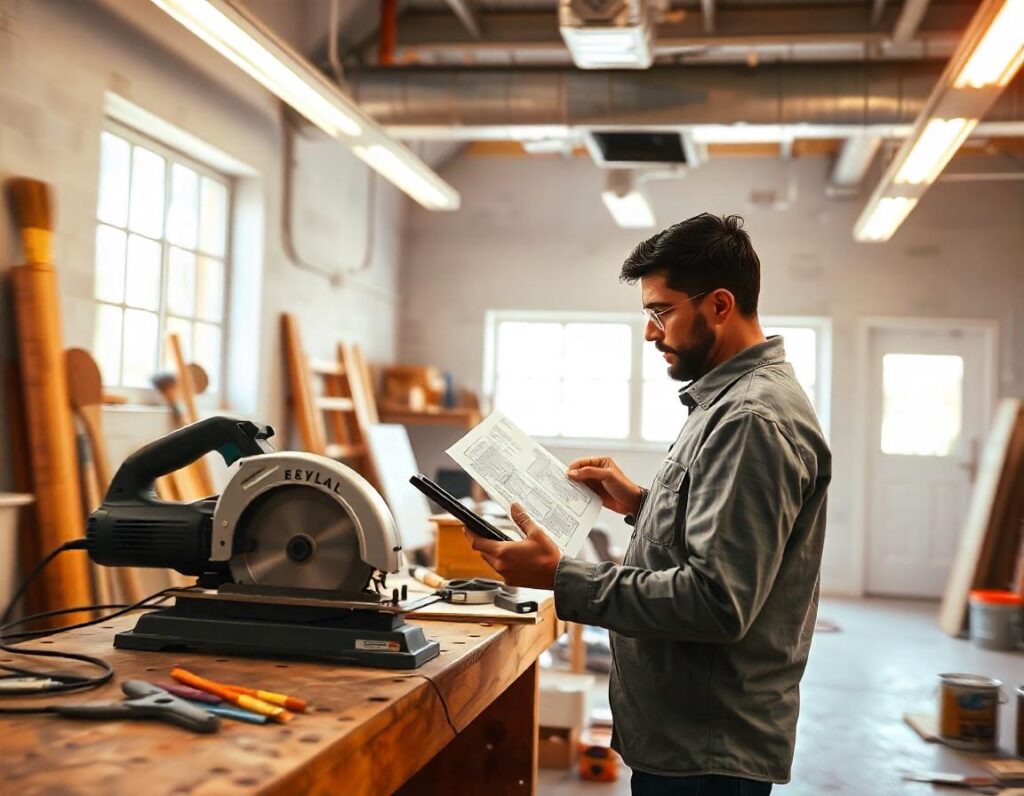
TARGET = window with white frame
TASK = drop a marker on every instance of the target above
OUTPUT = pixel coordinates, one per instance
(161, 254)
(592, 376)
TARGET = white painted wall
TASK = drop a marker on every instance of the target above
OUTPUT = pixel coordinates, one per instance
(58, 57)
(533, 234)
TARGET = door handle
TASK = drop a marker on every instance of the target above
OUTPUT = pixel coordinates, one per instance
(971, 465)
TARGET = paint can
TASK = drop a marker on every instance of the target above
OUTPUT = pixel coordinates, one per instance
(969, 711)
(1020, 722)
(997, 619)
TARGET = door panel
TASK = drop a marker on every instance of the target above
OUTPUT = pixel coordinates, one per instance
(930, 399)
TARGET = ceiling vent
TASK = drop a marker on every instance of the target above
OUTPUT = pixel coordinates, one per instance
(607, 34)
(637, 148)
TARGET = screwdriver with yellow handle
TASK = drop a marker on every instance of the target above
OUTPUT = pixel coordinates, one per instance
(256, 705)
(285, 701)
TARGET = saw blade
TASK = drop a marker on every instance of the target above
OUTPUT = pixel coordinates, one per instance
(299, 537)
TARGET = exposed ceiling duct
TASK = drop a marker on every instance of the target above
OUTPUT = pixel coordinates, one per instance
(607, 34)
(468, 104)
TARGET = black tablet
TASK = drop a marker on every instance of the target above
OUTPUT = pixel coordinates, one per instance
(467, 517)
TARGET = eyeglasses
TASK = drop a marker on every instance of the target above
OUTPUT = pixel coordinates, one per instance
(654, 316)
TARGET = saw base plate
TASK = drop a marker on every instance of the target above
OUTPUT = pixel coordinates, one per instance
(281, 630)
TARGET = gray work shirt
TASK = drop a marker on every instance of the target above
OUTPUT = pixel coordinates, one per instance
(712, 610)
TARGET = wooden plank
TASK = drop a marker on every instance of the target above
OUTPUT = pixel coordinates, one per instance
(48, 422)
(359, 363)
(309, 421)
(325, 367)
(1002, 459)
(369, 732)
(198, 473)
(329, 403)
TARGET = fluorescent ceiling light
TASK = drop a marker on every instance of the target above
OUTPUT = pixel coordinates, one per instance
(630, 210)
(597, 48)
(1000, 51)
(232, 31)
(403, 175)
(934, 149)
(990, 53)
(886, 218)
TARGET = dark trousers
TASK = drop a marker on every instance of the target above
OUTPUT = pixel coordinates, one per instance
(644, 784)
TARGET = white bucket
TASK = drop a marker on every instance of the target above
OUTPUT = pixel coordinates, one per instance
(9, 505)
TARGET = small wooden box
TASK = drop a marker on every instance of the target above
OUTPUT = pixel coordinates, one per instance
(454, 557)
(557, 747)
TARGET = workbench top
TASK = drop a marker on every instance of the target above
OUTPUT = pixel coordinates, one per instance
(368, 732)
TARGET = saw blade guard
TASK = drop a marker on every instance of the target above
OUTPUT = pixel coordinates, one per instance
(379, 541)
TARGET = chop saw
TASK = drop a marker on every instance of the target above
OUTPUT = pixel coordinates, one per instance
(291, 560)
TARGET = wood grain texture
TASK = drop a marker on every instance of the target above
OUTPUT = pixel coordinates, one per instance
(498, 749)
(199, 470)
(368, 732)
(308, 420)
(51, 436)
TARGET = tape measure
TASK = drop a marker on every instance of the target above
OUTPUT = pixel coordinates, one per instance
(471, 591)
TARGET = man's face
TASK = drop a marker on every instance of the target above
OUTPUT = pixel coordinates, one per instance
(687, 340)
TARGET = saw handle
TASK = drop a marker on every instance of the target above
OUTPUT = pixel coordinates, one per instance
(231, 438)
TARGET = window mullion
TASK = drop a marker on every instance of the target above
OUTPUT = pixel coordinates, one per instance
(636, 383)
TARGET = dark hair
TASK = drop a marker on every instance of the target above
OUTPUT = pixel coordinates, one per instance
(701, 254)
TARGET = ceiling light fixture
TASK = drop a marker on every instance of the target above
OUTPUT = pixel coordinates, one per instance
(988, 56)
(231, 30)
(626, 202)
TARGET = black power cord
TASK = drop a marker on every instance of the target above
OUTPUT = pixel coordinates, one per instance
(51, 682)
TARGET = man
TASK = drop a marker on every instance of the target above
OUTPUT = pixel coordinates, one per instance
(712, 610)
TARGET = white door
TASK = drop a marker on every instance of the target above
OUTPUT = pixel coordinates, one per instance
(931, 393)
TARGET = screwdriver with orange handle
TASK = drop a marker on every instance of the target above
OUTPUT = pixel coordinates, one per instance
(289, 702)
(254, 704)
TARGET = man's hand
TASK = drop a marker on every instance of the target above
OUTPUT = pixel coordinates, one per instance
(603, 475)
(531, 563)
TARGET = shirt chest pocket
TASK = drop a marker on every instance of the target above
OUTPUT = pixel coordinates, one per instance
(667, 513)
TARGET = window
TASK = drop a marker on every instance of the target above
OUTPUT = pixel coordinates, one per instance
(592, 376)
(922, 404)
(161, 249)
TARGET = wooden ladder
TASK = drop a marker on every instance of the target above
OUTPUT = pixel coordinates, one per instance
(334, 420)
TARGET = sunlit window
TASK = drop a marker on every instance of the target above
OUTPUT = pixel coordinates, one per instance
(922, 404)
(802, 353)
(161, 248)
(597, 378)
(663, 413)
(564, 379)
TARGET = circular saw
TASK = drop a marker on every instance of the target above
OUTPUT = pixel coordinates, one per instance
(291, 558)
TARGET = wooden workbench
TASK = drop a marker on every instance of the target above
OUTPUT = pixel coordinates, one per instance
(464, 721)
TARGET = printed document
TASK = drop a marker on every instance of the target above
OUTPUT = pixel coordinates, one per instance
(513, 468)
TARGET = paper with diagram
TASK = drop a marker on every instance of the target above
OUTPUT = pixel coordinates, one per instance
(514, 468)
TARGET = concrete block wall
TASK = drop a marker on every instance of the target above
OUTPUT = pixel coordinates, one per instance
(534, 235)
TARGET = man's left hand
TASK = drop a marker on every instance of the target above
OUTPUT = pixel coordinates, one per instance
(530, 563)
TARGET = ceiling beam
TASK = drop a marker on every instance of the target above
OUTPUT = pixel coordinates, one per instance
(468, 15)
(909, 20)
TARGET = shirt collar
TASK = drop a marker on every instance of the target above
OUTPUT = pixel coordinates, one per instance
(708, 388)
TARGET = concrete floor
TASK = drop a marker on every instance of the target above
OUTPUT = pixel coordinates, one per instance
(851, 739)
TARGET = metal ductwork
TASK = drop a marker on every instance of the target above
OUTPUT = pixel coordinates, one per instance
(501, 103)
(607, 34)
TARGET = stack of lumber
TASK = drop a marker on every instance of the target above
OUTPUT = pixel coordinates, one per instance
(992, 542)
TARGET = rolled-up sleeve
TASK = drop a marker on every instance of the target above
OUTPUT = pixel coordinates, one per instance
(743, 494)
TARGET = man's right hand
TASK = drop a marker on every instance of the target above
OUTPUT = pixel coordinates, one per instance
(603, 475)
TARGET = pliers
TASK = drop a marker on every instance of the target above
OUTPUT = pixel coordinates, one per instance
(146, 701)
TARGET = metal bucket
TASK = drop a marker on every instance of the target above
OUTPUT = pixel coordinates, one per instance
(969, 711)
